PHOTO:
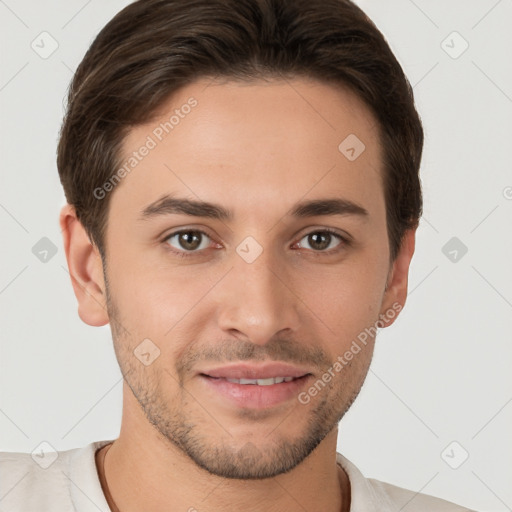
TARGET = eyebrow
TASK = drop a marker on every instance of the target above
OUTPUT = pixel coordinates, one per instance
(169, 205)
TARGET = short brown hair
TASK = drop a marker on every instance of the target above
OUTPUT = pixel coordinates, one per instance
(153, 47)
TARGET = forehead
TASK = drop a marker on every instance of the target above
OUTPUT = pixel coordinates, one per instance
(254, 145)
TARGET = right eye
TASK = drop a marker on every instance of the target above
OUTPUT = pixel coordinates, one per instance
(186, 242)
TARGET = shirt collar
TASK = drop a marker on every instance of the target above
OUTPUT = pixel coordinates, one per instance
(85, 488)
(87, 495)
(363, 495)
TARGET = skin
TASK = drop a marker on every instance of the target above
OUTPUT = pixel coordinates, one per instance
(256, 149)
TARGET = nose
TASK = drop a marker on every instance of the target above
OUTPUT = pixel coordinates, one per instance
(257, 300)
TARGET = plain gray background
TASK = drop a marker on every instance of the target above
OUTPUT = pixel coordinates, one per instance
(440, 383)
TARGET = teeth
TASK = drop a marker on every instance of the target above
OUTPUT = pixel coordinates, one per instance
(261, 382)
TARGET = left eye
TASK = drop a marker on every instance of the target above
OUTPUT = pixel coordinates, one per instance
(320, 241)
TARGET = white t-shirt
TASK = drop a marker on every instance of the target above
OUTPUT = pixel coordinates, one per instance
(71, 483)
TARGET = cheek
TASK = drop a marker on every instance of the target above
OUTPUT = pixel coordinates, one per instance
(346, 313)
(151, 307)
(161, 302)
(348, 300)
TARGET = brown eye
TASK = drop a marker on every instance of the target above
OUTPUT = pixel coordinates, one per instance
(324, 240)
(187, 241)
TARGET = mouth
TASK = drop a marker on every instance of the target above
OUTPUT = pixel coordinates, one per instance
(255, 386)
(258, 382)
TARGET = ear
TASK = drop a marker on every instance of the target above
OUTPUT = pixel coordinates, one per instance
(85, 269)
(395, 294)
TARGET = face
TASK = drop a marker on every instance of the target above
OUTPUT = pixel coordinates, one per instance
(213, 305)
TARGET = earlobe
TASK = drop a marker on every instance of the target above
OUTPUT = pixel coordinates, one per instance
(395, 294)
(85, 269)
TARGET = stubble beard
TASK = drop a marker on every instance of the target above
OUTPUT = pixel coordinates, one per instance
(222, 454)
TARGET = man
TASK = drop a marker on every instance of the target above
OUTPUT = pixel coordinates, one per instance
(243, 195)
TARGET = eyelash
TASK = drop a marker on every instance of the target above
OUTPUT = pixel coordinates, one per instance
(186, 254)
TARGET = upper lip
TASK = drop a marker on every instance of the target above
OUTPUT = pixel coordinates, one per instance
(253, 371)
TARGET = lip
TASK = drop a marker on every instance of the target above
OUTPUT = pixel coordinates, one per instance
(253, 371)
(254, 396)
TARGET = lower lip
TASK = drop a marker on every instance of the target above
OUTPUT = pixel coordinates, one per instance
(255, 396)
